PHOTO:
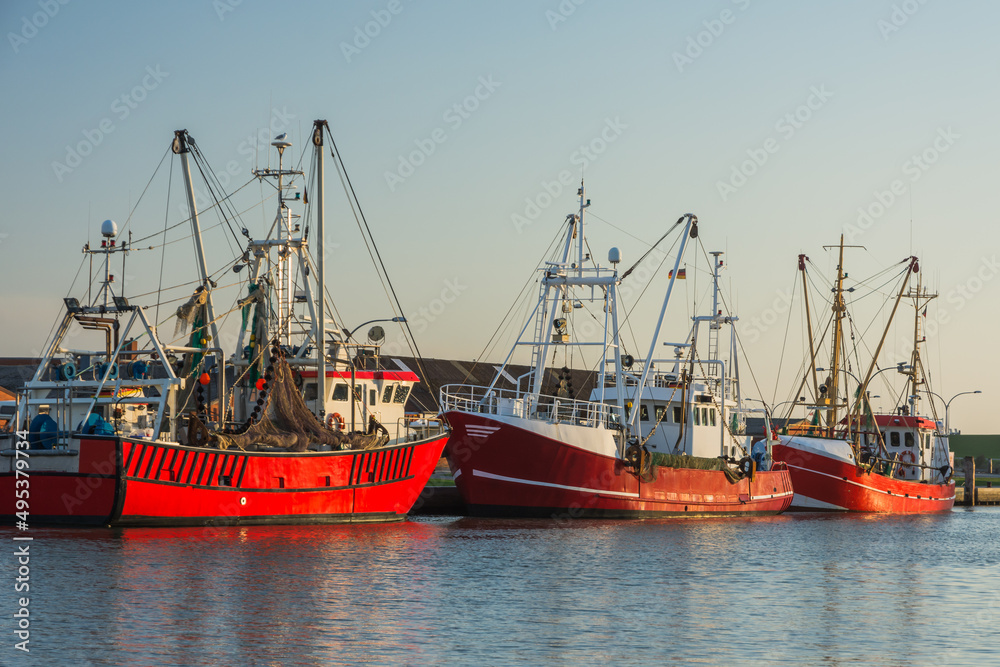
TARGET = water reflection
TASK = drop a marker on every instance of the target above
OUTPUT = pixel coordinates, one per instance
(802, 588)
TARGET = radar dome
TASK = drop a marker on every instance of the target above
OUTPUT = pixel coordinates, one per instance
(109, 228)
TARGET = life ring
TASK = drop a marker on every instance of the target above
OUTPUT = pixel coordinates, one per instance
(335, 418)
(907, 459)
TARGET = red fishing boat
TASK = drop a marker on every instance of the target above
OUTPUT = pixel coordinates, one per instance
(674, 448)
(144, 431)
(864, 462)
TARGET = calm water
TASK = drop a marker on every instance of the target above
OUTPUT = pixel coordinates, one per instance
(794, 589)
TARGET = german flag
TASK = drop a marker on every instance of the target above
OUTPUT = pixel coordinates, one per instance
(681, 274)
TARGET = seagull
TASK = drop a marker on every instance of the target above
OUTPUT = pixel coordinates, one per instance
(281, 137)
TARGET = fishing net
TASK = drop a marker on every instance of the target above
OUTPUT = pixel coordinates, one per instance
(697, 462)
(285, 421)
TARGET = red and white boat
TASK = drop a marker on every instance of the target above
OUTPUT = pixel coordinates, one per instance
(521, 448)
(864, 462)
(134, 431)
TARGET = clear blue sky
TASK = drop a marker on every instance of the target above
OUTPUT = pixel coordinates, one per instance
(832, 100)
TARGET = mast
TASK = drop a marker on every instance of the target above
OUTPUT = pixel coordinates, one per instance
(547, 322)
(839, 308)
(914, 267)
(690, 231)
(320, 324)
(180, 147)
(812, 345)
(916, 371)
(582, 238)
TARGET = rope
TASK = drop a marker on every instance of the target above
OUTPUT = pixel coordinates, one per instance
(354, 200)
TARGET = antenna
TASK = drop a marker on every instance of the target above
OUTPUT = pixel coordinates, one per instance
(911, 220)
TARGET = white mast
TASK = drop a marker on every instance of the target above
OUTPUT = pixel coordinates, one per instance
(180, 147)
(320, 324)
(689, 229)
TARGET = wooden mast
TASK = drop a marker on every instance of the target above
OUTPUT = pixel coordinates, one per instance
(839, 308)
(812, 345)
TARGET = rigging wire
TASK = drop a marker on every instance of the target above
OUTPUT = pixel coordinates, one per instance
(354, 199)
(522, 294)
(209, 208)
(148, 183)
(163, 248)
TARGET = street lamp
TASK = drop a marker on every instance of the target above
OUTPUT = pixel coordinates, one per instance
(347, 336)
(350, 334)
(900, 366)
(947, 405)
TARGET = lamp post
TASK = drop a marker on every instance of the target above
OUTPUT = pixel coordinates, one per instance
(350, 334)
(947, 405)
(347, 336)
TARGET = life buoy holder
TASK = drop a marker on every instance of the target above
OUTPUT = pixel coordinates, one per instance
(335, 418)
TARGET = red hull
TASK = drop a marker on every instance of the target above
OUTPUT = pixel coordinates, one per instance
(504, 470)
(826, 483)
(125, 482)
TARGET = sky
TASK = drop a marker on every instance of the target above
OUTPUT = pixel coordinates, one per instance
(467, 126)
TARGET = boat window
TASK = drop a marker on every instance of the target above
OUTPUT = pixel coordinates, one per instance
(340, 392)
(712, 413)
(677, 415)
(372, 396)
(659, 410)
(882, 433)
(894, 438)
(401, 392)
(644, 413)
(909, 438)
(310, 391)
(358, 392)
(697, 417)
(387, 394)
(927, 440)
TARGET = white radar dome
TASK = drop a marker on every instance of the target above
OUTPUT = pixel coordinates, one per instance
(614, 255)
(109, 228)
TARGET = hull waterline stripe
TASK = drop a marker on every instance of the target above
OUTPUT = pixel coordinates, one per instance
(501, 478)
(865, 486)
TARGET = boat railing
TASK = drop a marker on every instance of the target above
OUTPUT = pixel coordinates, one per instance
(513, 403)
(413, 427)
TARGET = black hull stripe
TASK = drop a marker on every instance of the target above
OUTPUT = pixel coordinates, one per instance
(309, 489)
